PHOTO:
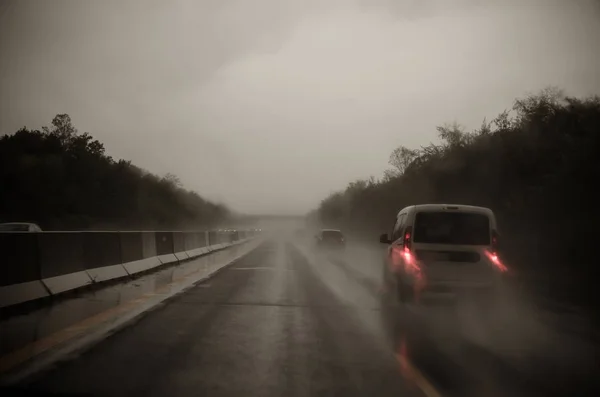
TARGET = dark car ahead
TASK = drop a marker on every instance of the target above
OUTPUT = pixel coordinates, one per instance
(331, 239)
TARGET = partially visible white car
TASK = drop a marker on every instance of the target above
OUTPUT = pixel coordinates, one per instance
(19, 227)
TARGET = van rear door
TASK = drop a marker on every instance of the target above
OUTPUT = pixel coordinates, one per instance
(450, 247)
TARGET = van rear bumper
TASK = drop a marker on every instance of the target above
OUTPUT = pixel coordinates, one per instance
(457, 292)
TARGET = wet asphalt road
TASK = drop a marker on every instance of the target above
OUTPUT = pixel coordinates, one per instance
(276, 323)
(266, 326)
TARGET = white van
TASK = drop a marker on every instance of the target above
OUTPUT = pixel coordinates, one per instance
(441, 251)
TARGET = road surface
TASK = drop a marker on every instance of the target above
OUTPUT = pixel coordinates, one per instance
(279, 322)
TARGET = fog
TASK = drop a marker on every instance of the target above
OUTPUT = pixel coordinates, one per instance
(268, 106)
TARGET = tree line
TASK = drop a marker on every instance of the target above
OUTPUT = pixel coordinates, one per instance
(535, 165)
(63, 180)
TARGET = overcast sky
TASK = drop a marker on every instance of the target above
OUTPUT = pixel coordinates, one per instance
(270, 105)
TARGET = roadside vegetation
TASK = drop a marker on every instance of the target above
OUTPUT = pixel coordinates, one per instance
(535, 165)
(64, 180)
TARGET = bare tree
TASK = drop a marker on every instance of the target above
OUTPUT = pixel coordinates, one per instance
(400, 159)
(173, 179)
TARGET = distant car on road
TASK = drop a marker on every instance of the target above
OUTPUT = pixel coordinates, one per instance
(331, 239)
(19, 227)
(441, 251)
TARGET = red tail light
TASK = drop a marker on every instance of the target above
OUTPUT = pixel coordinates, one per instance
(495, 241)
(493, 255)
(407, 238)
(408, 257)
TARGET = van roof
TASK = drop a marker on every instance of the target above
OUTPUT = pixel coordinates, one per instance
(456, 207)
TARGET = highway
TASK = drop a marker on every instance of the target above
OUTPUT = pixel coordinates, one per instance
(281, 321)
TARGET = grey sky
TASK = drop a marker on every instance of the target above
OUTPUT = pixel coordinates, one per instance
(271, 105)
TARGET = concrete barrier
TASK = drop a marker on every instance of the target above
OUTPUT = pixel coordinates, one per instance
(61, 259)
(31, 345)
(102, 256)
(19, 269)
(206, 247)
(149, 245)
(179, 246)
(164, 247)
(38, 265)
(212, 238)
(190, 241)
(195, 243)
(216, 241)
(138, 251)
(204, 243)
(224, 239)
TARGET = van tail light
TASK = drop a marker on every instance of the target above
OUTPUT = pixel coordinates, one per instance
(408, 238)
(402, 256)
(495, 241)
(493, 254)
(409, 259)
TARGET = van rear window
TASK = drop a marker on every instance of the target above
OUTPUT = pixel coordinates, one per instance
(460, 228)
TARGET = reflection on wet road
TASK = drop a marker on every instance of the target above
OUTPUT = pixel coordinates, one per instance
(22, 331)
(281, 321)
